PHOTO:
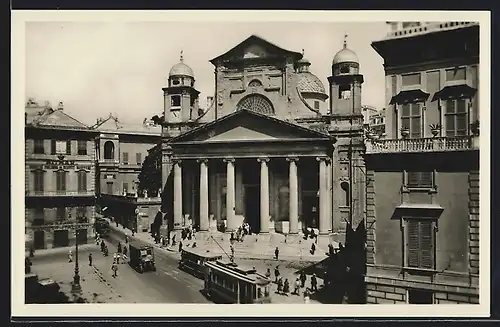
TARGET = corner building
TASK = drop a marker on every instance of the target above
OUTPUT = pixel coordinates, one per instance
(423, 178)
(270, 150)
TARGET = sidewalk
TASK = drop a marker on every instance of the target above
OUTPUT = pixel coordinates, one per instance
(59, 250)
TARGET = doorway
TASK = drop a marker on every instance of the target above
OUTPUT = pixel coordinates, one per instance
(61, 238)
(81, 236)
(310, 208)
(39, 240)
(252, 207)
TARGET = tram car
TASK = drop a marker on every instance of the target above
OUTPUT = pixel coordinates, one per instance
(193, 261)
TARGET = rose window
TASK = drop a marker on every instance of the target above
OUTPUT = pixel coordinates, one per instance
(257, 103)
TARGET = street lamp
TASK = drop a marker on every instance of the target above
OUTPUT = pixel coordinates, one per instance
(76, 278)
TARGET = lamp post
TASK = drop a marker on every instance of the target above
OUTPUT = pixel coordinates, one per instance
(76, 278)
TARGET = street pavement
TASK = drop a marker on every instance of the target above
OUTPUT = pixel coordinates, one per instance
(166, 285)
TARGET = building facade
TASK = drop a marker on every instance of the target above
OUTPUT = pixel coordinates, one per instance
(423, 178)
(121, 151)
(376, 123)
(260, 153)
(59, 182)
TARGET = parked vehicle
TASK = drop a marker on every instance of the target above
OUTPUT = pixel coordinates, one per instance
(141, 257)
(102, 227)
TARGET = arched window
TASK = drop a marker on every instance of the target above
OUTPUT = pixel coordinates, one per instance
(257, 103)
(109, 150)
(255, 83)
(345, 187)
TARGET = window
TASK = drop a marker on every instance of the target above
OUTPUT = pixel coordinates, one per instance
(316, 105)
(455, 74)
(61, 181)
(419, 243)
(411, 119)
(344, 68)
(176, 82)
(82, 181)
(125, 158)
(60, 147)
(60, 213)
(344, 92)
(109, 188)
(138, 158)
(125, 188)
(346, 196)
(176, 101)
(82, 147)
(38, 180)
(410, 79)
(456, 117)
(38, 149)
(422, 179)
(255, 83)
(109, 150)
(420, 296)
(410, 24)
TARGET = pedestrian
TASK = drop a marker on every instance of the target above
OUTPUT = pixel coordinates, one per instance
(296, 286)
(314, 283)
(90, 259)
(276, 273)
(313, 248)
(180, 246)
(268, 273)
(32, 252)
(70, 256)
(118, 258)
(232, 250)
(280, 285)
(126, 239)
(114, 268)
(276, 253)
(194, 245)
(302, 279)
(119, 247)
(102, 245)
(114, 257)
(286, 287)
(125, 252)
(173, 240)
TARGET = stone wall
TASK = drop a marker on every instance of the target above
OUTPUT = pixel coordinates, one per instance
(474, 222)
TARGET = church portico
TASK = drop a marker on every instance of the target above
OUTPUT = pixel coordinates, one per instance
(271, 183)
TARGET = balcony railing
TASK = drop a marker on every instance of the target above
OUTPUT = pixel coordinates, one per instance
(434, 144)
(60, 193)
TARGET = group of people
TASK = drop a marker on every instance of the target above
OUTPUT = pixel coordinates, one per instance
(300, 283)
(241, 232)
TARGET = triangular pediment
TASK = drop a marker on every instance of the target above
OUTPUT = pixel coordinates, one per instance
(245, 125)
(60, 119)
(108, 125)
(255, 47)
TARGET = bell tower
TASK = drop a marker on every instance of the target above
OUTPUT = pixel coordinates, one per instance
(180, 96)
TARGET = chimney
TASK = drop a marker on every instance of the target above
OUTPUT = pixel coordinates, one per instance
(60, 106)
(210, 100)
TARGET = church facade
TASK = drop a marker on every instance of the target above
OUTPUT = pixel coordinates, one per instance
(274, 149)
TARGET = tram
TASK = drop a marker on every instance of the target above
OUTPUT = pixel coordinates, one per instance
(193, 261)
(228, 282)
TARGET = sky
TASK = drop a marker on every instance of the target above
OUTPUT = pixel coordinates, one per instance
(97, 68)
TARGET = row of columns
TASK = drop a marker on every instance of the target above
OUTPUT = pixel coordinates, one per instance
(324, 195)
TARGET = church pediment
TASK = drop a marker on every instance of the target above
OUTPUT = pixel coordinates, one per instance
(246, 126)
(255, 47)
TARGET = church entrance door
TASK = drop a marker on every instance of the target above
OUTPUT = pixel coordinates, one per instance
(252, 207)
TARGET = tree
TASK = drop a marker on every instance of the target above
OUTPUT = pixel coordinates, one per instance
(150, 174)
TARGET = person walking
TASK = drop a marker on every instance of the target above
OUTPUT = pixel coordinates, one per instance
(313, 248)
(314, 283)
(90, 259)
(302, 279)
(180, 246)
(286, 287)
(296, 287)
(280, 285)
(277, 273)
(114, 268)
(119, 247)
(276, 253)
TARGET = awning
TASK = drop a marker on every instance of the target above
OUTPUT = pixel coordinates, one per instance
(409, 96)
(421, 210)
(455, 92)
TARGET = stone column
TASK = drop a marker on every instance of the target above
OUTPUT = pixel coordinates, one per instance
(264, 195)
(329, 165)
(293, 189)
(177, 195)
(323, 196)
(203, 194)
(230, 195)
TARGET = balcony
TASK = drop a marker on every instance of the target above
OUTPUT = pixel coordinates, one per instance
(109, 162)
(433, 144)
(59, 193)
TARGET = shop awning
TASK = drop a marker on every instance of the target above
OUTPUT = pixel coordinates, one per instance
(422, 210)
(409, 96)
(454, 92)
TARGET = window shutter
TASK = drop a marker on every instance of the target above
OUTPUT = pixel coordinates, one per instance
(68, 147)
(426, 248)
(52, 146)
(426, 178)
(413, 243)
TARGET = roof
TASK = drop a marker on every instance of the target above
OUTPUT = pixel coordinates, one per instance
(310, 83)
(203, 253)
(56, 119)
(254, 39)
(240, 271)
(409, 96)
(454, 91)
(112, 124)
(181, 69)
(345, 55)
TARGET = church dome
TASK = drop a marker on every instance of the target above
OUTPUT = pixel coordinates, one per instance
(181, 69)
(310, 83)
(345, 55)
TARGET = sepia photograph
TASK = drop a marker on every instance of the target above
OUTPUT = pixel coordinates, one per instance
(180, 158)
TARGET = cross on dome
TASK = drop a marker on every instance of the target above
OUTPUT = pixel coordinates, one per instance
(182, 55)
(345, 40)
